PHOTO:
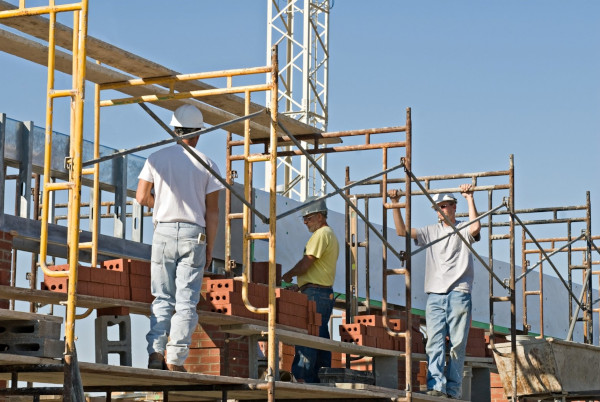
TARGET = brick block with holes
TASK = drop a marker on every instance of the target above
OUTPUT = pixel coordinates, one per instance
(373, 333)
(111, 280)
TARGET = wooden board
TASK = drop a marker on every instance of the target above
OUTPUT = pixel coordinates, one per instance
(316, 342)
(23, 316)
(216, 109)
(93, 374)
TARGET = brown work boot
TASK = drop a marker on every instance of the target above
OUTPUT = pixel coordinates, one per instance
(156, 361)
(174, 367)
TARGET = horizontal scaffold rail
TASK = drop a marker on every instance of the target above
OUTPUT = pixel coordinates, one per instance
(339, 191)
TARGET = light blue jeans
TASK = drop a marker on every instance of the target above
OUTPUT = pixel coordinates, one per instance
(308, 361)
(447, 315)
(177, 268)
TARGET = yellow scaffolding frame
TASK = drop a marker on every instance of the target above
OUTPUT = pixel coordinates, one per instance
(249, 160)
(73, 163)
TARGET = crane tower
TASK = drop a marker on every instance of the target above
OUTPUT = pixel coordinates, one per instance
(300, 28)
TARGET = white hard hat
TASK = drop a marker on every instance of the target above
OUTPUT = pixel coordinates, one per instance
(441, 197)
(188, 116)
(319, 206)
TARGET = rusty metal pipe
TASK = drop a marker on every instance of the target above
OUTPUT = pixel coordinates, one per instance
(335, 186)
(337, 191)
(547, 256)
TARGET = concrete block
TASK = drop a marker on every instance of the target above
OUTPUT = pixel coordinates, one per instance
(20, 329)
(33, 346)
(122, 346)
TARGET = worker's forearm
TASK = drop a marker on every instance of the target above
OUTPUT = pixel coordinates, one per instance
(399, 223)
(475, 227)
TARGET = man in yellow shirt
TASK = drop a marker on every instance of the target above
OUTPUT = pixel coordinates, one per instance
(316, 273)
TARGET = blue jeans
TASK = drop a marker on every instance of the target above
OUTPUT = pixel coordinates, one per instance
(177, 268)
(308, 361)
(447, 315)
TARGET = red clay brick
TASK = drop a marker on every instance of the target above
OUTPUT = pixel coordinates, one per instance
(215, 285)
(139, 267)
(116, 265)
(260, 273)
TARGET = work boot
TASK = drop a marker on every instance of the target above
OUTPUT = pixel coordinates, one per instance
(156, 361)
(435, 392)
(174, 367)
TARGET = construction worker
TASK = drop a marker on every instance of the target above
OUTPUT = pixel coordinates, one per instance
(316, 274)
(448, 282)
(185, 199)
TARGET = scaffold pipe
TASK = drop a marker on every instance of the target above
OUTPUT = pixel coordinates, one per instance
(547, 256)
(416, 180)
(338, 190)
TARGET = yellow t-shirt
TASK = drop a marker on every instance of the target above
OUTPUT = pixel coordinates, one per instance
(324, 246)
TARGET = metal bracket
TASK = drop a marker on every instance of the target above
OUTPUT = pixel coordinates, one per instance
(68, 163)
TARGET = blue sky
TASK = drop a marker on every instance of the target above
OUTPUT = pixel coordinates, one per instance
(484, 80)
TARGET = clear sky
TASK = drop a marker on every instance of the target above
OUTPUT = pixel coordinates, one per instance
(484, 80)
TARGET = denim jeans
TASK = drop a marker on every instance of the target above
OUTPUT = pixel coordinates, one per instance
(177, 268)
(447, 315)
(308, 361)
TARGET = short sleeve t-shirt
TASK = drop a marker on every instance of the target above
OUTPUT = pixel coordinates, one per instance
(181, 184)
(449, 263)
(324, 246)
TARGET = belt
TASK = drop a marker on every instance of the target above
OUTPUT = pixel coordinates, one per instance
(313, 285)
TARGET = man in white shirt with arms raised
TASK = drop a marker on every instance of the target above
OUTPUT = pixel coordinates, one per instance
(448, 282)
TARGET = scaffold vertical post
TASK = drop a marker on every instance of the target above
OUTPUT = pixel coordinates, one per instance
(273, 349)
(512, 283)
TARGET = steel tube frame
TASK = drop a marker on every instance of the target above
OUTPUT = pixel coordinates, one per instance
(171, 140)
(545, 255)
(345, 188)
(455, 230)
(336, 187)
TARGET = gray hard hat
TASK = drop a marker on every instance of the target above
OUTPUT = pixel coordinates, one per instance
(441, 197)
(319, 206)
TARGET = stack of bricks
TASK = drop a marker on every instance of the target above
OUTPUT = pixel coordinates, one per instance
(115, 279)
(224, 296)
(139, 281)
(286, 356)
(5, 262)
(213, 353)
(368, 330)
(496, 389)
(476, 346)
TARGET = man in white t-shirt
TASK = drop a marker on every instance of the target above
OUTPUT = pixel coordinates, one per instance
(448, 283)
(184, 196)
